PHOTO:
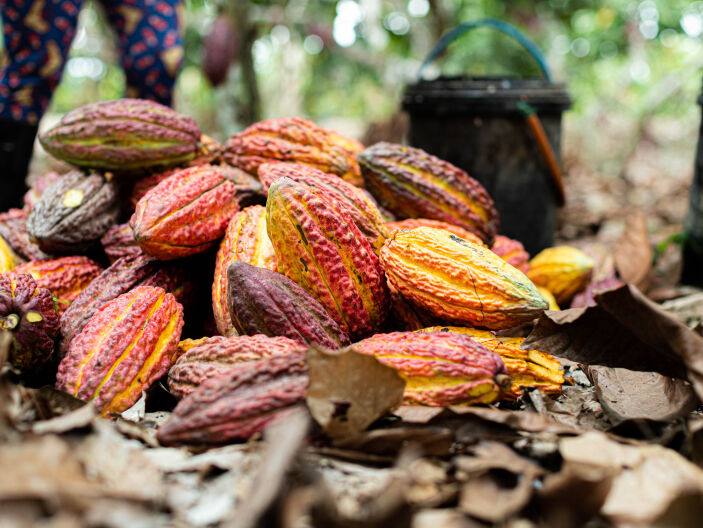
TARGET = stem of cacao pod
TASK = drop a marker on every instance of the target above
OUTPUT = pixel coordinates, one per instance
(248, 111)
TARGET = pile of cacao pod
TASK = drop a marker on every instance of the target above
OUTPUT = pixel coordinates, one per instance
(295, 236)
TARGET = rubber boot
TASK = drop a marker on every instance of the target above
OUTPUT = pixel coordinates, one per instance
(16, 144)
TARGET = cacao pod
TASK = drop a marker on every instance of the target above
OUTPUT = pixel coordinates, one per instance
(248, 188)
(324, 252)
(185, 214)
(218, 354)
(563, 270)
(551, 301)
(27, 311)
(512, 252)
(344, 196)
(220, 48)
(64, 277)
(414, 184)
(126, 346)
(297, 140)
(588, 296)
(13, 229)
(73, 213)
(246, 240)
(439, 368)
(119, 242)
(125, 135)
(125, 274)
(412, 223)
(457, 280)
(404, 315)
(7, 257)
(239, 402)
(526, 368)
(262, 301)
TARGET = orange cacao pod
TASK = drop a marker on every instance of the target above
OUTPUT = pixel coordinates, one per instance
(126, 346)
(512, 252)
(185, 214)
(323, 251)
(457, 280)
(246, 240)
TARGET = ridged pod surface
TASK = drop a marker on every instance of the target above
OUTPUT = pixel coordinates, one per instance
(246, 240)
(239, 402)
(544, 292)
(64, 277)
(262, 301)
(7, 257)
(124, 135)
(563, 270)
(27, 312)
(298, 140)
(412, 223)
(125, 274)
(512, 251)
(127, 345)
(588, 296)
(347, 198)
(119, 242)
(459, 281)
(185, 214)
(439, 368)
(218, 354)
(73, 213)
(411, 183)
(325, 253)
(13, 229)
(526, 368)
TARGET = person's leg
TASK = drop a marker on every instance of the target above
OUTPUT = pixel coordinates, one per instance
(150, 40)
(37, 36)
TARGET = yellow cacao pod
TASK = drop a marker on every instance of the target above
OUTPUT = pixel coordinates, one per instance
(563, 270)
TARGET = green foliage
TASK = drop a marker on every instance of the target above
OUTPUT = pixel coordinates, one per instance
(626, 57)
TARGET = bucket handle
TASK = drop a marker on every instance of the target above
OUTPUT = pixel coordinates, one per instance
(494, 23)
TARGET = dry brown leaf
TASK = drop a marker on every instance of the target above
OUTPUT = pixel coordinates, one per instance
(627, 394)
(499, 482)
(348, 391)
(647, 479)
(633, 254)
(624, 330)
(78, 419)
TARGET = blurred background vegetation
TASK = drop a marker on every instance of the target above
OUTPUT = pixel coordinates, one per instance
(632, 68)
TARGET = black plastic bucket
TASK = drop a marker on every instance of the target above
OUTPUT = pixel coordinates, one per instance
(475, 124)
